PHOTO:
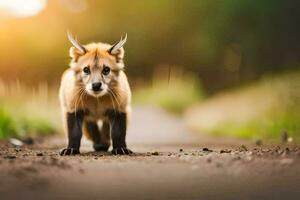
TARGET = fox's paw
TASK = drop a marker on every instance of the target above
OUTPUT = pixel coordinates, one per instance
(121, 151)
(69, 151)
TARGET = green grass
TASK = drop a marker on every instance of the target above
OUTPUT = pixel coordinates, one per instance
(7, 124)
(262, 110)
(174, 95)
(28, 111)
(18, 124)
(261, 128)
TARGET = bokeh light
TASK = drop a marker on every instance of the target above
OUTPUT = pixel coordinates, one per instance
(21, 8)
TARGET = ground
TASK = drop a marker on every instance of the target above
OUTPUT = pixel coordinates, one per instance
(169, 163)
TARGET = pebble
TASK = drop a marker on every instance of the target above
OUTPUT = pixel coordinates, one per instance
(16, 142)
(155, 153)
(39, 154)
(180, 150)
(225, 151)
(206, 149)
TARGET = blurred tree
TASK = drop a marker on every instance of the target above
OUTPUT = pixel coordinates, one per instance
(230, 41)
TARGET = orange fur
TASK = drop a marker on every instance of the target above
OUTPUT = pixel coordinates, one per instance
(73, 94)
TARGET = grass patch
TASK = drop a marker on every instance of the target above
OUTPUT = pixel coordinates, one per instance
(7, 124)
(174, 94)
(14, 124)
(261, 110)
(28, 111)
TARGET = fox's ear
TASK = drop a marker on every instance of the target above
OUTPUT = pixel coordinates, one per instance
(77, 49)
(117, 49)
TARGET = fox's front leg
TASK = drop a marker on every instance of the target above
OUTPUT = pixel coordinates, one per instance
(74, 128)
(118, 121)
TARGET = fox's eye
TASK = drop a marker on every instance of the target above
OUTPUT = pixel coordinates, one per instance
(86, 70)
(105, 70)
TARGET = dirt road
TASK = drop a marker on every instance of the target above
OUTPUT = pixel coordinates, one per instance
(169, 163)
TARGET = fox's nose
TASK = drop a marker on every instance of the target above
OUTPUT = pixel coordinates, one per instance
(96, 86)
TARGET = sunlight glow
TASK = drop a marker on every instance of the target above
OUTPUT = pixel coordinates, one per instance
(22, 8)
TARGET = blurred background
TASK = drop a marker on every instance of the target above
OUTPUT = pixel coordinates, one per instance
(226, 67)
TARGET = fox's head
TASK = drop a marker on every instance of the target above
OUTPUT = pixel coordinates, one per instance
(97, 65)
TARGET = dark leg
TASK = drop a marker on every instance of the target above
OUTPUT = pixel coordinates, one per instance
(74, 125)
(118, 132)
(92, 131)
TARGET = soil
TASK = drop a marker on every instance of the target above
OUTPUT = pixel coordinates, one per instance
(169, 163)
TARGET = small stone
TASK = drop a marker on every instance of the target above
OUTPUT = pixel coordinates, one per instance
(225, 151)
(155, 153)
(287, 150)
(40, 154)
(290, 140)
(16, 142)
(180, 150)
(206, 149)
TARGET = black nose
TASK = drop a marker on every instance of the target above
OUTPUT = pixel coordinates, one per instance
(96, 86)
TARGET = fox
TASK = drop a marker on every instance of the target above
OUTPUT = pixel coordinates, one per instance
(95, 97)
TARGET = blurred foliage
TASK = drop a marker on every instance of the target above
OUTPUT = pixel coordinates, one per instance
(15, 124)
(7, 127)
(261, 110)
(172, 90)
(28, 110)
(230, 41)
(219, 44)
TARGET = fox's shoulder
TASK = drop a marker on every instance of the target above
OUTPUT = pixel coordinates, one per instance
(67, 74)
(67, 86)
